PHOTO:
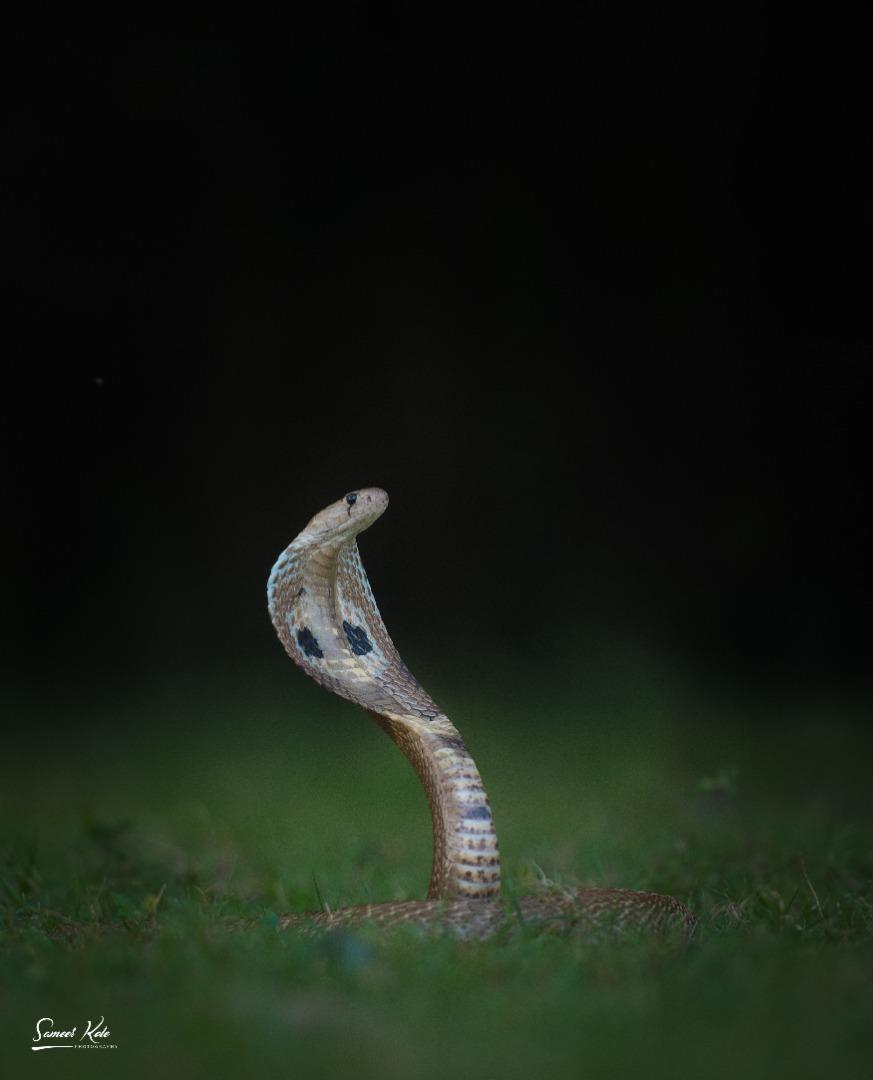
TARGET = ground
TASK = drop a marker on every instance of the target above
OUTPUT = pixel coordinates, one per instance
(133, 845)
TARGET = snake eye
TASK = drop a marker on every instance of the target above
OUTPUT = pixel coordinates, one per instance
(352, 498)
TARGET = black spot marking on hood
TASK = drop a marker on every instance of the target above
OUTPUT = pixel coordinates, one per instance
(357, 638)
(309, 643)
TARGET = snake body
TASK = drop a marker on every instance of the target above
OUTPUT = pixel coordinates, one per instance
(324, 612)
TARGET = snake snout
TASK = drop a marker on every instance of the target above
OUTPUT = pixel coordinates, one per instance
(369, 499)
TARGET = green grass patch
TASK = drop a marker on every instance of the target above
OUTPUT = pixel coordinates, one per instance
(132, 849)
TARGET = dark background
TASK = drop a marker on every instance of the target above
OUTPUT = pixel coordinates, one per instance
(584, 297)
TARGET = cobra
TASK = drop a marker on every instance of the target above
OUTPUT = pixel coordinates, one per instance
(324, 612)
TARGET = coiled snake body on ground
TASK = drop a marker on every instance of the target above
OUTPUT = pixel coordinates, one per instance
(324, 612)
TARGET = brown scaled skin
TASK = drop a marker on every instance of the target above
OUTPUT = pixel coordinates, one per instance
(326, 617)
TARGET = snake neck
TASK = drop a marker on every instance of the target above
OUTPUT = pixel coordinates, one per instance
(466, 859)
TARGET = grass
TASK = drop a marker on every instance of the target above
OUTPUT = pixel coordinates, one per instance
(130, 847)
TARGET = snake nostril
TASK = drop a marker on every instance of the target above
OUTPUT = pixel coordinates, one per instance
(352, 498)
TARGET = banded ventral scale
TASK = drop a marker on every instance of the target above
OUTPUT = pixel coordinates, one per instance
(324, 612)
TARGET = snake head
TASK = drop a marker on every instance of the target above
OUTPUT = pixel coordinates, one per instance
(344, 519)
